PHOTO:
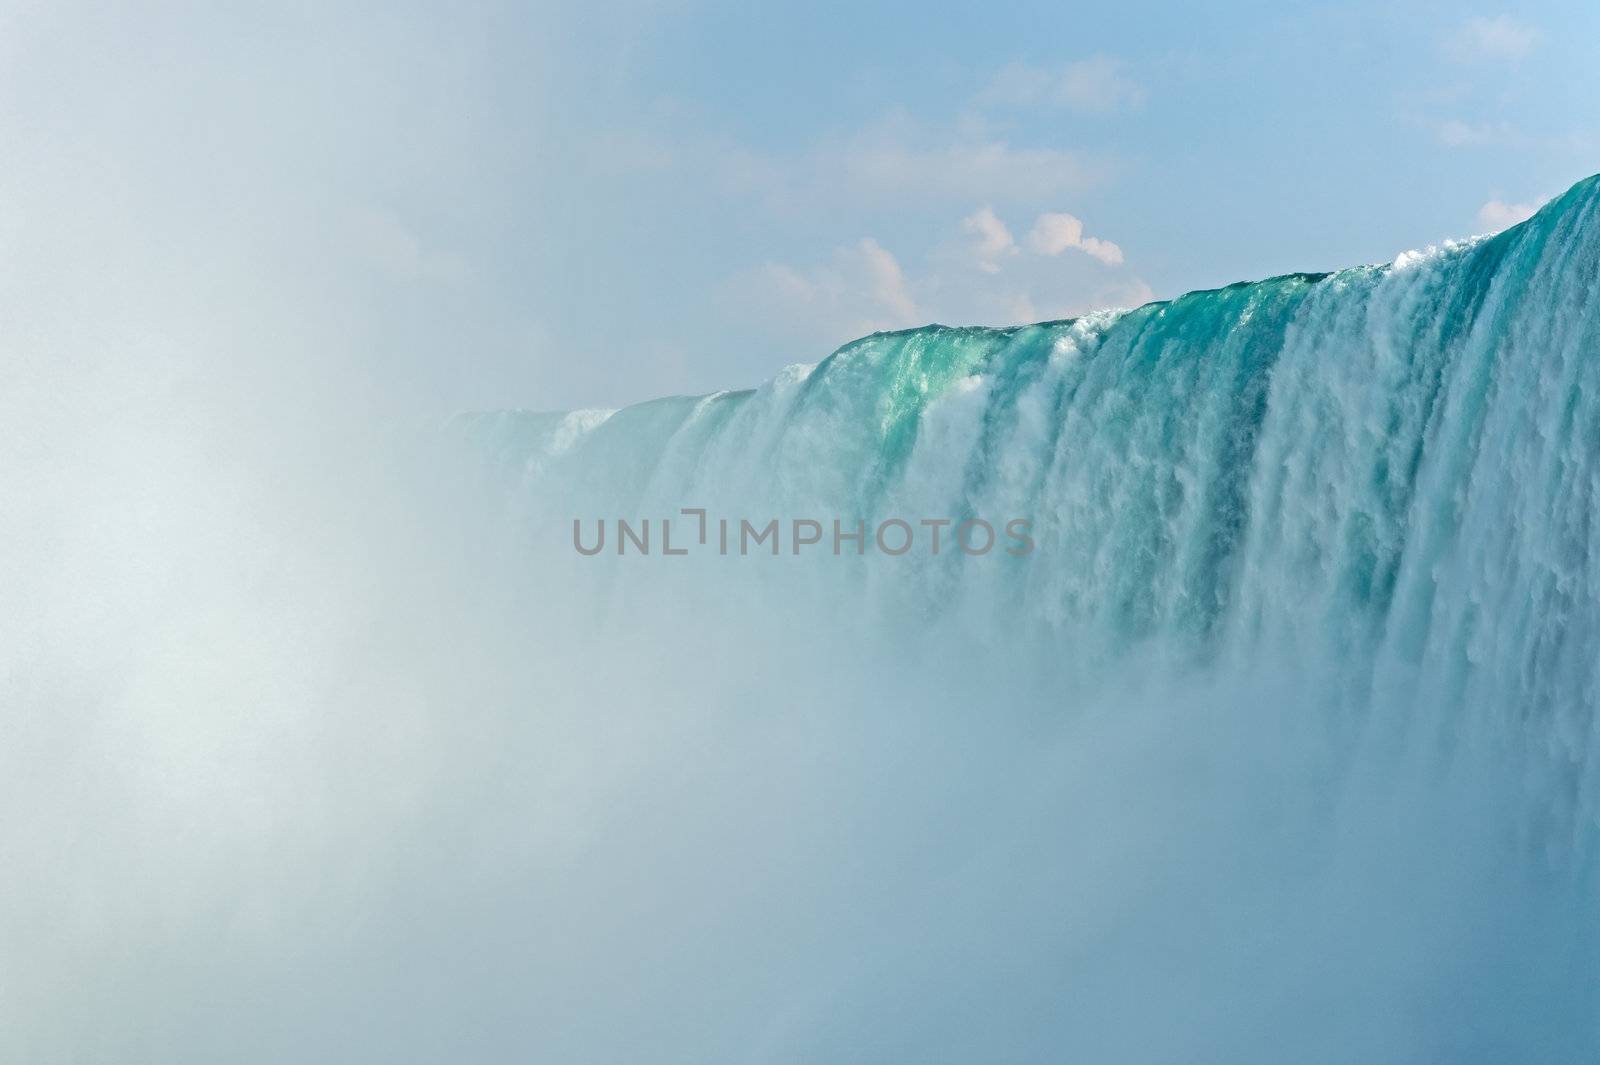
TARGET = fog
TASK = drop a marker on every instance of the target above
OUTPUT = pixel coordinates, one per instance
(312, 756)
(325, 787)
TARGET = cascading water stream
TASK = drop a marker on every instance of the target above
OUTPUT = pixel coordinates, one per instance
(1278, 745)
(1393, 471)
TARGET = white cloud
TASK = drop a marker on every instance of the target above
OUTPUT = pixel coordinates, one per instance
(1096, 84)
(863, 287)
(994, 240)
(1497, 214)
(1055, 232)
(1103, 250)
(1499, 38)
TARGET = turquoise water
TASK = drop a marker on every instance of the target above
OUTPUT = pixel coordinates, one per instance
(1281, 744)
(1396, 464)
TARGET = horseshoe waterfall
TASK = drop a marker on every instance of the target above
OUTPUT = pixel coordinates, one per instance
(1212, 681)
(1283, 736)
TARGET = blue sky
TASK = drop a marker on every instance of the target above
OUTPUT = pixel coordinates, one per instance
(558, 205)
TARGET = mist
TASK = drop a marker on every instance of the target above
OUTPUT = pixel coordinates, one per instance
(318, 742)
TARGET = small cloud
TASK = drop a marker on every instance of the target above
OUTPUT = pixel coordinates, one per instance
(994, 240)
(1096, 84)
(1055, 232)
(1499, 38)
(862, 287)
(1497, 214)
(1103, 250)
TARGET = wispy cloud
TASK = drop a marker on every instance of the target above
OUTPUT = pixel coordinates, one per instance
(1500, 38)
(1498, 214)
(886, 281)
(861, 289)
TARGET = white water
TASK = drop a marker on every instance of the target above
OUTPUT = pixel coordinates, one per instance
(1278, 747)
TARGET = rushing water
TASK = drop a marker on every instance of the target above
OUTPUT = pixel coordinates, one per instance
(1279, 744)
(1393, 466)
(1311, 629)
